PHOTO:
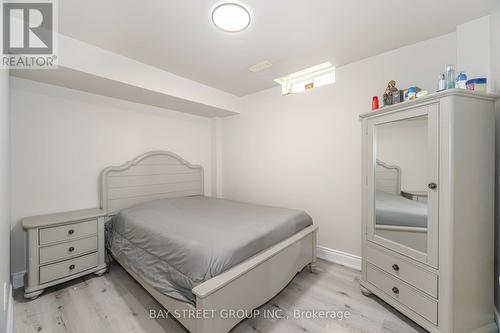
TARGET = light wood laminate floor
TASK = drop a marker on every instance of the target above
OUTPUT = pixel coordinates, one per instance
(114, 302)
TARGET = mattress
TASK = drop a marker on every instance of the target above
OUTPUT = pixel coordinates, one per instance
(395, 210)
(175, 244)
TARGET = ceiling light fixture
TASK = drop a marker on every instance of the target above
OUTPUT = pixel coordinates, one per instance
(231, 17)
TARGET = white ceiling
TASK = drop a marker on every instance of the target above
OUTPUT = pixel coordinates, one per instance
(178, 35)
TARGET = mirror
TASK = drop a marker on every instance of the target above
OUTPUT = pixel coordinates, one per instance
(401, 182)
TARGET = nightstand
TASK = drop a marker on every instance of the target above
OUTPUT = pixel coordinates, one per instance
(420, 196)
(62, 247)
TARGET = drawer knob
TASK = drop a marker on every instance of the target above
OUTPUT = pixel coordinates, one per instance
(71, 267)
(71, 249)
(432, 186)
(71, 231)
(395, 290)
(395, 267)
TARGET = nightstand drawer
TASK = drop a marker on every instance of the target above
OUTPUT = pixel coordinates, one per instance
(67, 250)
(66, 268)
(404, 294)
(67, 232)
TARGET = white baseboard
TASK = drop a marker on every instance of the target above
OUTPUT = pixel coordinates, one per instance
(339, 257)
(18, 279)
(10, 312)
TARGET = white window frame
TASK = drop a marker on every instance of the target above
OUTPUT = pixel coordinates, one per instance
(307, 79)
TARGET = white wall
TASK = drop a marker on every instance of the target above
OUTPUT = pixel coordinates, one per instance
(473, 48)
(495, 47)
(4, 195)
(404, 143)
(62, 139)
(495, 86)
(304, 151)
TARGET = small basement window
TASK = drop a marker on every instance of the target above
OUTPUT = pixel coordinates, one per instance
(307, 79)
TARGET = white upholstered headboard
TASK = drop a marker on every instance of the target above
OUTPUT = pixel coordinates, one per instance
(387, 178)
(151, 176)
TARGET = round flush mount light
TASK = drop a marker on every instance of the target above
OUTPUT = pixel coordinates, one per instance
(231, 17)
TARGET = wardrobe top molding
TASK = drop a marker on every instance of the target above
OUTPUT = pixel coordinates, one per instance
(429, 99)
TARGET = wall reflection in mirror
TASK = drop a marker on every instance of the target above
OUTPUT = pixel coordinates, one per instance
(401, 182)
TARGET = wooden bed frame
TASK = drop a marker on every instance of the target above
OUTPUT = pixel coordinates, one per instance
(250, 284)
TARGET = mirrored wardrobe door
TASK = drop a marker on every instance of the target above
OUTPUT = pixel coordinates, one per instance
(402, 177)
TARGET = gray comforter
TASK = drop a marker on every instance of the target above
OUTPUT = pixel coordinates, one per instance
(396, 210)
(176, 244)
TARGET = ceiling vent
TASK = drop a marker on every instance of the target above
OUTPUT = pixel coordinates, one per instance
(260, 66)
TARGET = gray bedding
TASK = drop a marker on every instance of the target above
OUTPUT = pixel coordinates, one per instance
(176, 244)
(396, 210)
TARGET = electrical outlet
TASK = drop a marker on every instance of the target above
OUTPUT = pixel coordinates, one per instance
(5, 296)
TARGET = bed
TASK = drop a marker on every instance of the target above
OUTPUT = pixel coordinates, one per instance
(396, 210)
(196, 254)
(398, 218)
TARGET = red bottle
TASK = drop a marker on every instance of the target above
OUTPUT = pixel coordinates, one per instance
(375, 103)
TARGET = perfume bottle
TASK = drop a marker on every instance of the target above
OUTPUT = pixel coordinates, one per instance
(450, 76)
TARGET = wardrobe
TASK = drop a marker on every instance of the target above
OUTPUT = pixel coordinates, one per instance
(428, 209)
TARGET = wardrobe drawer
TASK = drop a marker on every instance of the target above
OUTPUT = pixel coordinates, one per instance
(67, 250)
(403, 293)
(68, 267)
(67, 232)
(403, 269)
